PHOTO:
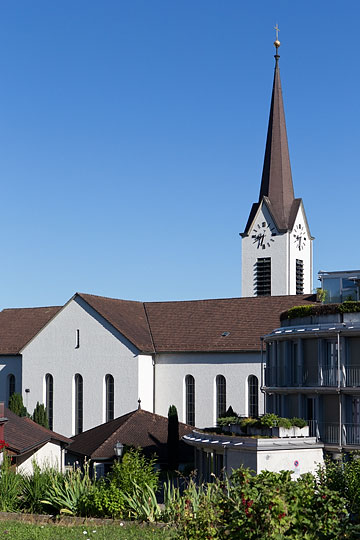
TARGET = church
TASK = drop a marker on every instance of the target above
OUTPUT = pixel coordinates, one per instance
(97, 358)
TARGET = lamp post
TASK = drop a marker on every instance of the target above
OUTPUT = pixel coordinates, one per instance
(118, 450)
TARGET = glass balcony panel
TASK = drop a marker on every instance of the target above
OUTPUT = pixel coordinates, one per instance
(352, 376)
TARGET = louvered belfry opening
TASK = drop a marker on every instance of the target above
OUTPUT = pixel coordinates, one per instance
(299, 276)
(263, 276)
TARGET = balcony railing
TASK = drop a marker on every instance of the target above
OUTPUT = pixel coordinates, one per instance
(327, 377)
(329, 433)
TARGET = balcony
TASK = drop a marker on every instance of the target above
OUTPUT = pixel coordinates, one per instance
(325, 377)
(329, 433)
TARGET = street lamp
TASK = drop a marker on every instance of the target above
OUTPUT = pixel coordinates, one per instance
(118, 450)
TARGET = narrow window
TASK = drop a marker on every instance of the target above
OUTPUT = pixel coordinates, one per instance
(299, 276)
(253, 385)
(190, 399)
(49, 398)
(77, 339)
(109, 397)
(263, 277)
(78, 404)
(220, 395)
(11, 385)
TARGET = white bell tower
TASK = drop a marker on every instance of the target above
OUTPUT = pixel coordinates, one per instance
(276, 242)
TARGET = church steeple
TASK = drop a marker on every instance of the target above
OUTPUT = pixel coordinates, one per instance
(276, 243)
(276, 182)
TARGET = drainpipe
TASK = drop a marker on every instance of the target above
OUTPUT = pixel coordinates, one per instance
(338, 387)
(262, 371)
(154, 371)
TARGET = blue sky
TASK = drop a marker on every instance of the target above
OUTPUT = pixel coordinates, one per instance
(132, 135)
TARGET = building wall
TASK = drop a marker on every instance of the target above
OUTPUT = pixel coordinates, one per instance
(101, 351)
(49, 455)
(283, 251)
(10, 365)
(171, 370)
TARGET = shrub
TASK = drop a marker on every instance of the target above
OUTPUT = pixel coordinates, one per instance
(34, 487)
(16, 405)
(298, 422)
(134, 468)
(173, 438)
(40, 415)
(66, 492)
(284, 423)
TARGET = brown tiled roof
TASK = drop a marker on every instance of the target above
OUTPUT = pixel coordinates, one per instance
(19, 326)
(127, 316)
(185, 326)
(138, 428)
(22, 434)
(199, 325)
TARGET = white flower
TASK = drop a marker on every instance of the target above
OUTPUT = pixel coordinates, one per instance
(84, 532)
(121, 524)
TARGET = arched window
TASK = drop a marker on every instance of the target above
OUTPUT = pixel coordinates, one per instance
(253, 393)
(78, 404)
(220, 395)
(49, 398)
(190, 399)
(11, 385)
(109, 397)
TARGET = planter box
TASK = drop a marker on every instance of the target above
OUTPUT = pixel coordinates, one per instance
(280, 431)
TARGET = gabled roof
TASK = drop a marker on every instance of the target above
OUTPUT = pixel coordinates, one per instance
(22, 434)
(184, 326)
(127, 316)
(276, 182)
(18, 326)
(138, 428)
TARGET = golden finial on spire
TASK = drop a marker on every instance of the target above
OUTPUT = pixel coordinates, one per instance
(277, 42)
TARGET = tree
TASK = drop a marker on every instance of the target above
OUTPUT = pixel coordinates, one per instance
(173, 438)
(40, 415)
(16, 405)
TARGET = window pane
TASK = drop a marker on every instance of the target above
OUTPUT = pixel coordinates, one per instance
(220, 395)
(190, 399)
(49, 382)
(253, 396)
(109, 385)
(78, 404)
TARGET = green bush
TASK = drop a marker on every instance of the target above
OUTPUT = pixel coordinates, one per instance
(16, 405)
(34, 488)
(134, 469)
(104, 499)
(284, 423)
(298, 422)
(268, 506)
(40, 415)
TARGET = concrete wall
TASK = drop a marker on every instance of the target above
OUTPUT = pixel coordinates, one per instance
(101, 351)
(171, 370)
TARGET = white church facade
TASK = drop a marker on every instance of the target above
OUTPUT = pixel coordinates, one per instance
(92, 359)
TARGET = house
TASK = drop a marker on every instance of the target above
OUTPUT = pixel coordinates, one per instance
(91, 360)
(28, 442)
(138, 429)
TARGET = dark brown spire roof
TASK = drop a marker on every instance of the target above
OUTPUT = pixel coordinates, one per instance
(276, 184)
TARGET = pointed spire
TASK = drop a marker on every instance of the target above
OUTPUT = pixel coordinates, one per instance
(276, 182)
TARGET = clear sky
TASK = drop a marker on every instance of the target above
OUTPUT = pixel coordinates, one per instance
(133, 135)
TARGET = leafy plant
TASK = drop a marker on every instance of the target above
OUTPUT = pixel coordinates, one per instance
(284, 423)
(66, 491)
(141, 504)
(34, 487)
(134, 469)
(298, 422)
(9, 487)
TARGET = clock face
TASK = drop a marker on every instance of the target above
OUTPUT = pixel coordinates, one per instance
(263, 235)
(300, 237)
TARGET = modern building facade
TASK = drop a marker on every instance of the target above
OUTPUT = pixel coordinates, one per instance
(312, 370)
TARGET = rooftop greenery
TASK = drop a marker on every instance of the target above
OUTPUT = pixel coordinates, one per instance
(297, 312)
